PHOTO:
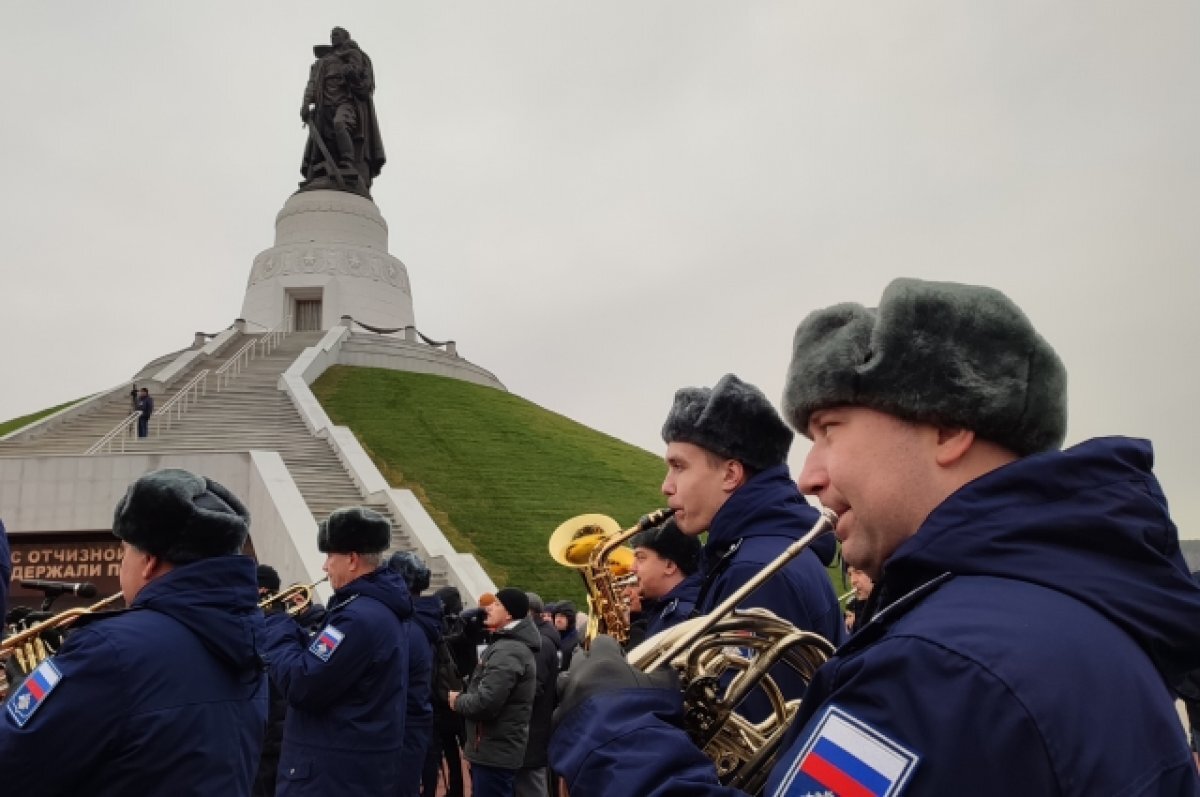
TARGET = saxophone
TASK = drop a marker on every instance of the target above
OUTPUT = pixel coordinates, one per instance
(593, 545)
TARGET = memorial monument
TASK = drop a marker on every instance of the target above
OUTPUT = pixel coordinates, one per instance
(330, 257)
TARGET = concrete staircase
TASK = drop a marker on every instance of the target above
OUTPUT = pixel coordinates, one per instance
(250, 413)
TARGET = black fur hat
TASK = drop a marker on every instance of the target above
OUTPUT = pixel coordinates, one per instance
(939, 352)
(181, 517)
(670, 543)
(268, 578)
(732, 419)
(411, 569)
(354, 529)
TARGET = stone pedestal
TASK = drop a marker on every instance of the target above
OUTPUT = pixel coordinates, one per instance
(330, 247)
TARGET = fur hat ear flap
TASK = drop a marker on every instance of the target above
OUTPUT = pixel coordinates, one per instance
(732, 419)
(354, 529)
(937, 352)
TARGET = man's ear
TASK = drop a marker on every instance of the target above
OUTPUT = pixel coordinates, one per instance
(733, 475)
(151, 567)
(953, 445)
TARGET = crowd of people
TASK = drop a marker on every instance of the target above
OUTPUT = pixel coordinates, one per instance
(1020, 621)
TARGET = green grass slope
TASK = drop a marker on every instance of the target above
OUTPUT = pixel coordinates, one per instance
(25, 420)
(495, 471)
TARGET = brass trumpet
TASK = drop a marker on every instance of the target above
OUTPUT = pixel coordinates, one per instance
(721, 656)
(592, 544)
(294, 609)
(27, 645)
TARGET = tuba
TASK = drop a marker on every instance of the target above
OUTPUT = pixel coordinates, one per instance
(592, 544)
(723, 655)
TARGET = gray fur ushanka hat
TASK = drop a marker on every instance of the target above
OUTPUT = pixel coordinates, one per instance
(181, 517)
(732, 419)
(354, 529)
(938, 352)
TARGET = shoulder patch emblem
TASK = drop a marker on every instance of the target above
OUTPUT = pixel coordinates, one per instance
(846, 757)
(326, 643)
(33, 691)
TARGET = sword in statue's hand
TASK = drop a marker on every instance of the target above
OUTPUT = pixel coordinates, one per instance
(320, 142)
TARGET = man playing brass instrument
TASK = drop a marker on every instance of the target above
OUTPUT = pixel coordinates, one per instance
(1031, 608)
(665, 562)
(727, 474)
(346, 687)
(167, 697)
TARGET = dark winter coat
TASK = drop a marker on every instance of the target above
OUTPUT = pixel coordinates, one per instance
(546, 659)
(165, 698)
(674, 607)
(750, 530)
(499, 698)
(346, 691)
(424, 633)
(1046, 602)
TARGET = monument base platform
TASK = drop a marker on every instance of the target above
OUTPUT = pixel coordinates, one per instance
(330, 259)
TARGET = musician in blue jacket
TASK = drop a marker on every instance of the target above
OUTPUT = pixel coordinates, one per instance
(665, 563)
(346, 686)
(1031, 607)
(424, 633)
(167, 697)
(727, 474)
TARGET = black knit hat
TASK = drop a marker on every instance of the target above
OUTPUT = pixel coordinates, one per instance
(515, 601)
(936, 352)
(268, 578)
(354, 529)
(411, 569)
(181, 517)
(670, 543)
(732, 419)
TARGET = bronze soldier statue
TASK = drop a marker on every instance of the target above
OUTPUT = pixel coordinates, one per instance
(344, 149)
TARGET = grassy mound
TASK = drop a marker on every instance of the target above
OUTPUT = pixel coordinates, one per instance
(25, 420)
(496, 472)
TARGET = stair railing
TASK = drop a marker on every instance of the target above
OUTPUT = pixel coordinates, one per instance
(178, 404)
(275, 336)
(236, 364)
(116, 436)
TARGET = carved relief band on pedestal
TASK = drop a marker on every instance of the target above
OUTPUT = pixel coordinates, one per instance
(329, 260)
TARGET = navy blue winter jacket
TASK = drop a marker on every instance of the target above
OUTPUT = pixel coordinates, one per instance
(1023, 643)
(165, 698)
(424, 631)
(756, 524)
(346, 690)
(674, 607)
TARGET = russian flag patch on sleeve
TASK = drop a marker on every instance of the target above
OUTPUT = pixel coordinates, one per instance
(846, 757)
(32, 692)
(326, 643)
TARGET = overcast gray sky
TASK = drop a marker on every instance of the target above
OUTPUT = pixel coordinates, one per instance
(604, 202)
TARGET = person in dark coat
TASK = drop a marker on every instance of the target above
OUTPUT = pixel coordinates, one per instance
(424, 634)
(727, 473)
(665, 561)
(264, 781)
(167, 697)
(531, 780)
(455, 660)
(563, 613)
(1027, 599)
(346, 687)
(145, 408)
(498, 700)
